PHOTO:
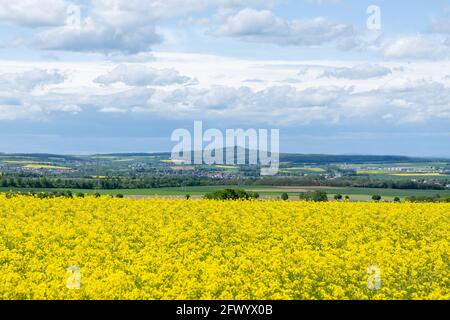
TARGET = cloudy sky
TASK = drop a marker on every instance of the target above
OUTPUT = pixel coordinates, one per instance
(80, 76)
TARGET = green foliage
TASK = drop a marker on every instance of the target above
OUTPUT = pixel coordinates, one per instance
(120, 196)
(231, 194)
(397, 199)
(285, 197)
(432, 198)
(316, 196)
(338, 197)
(376, 197)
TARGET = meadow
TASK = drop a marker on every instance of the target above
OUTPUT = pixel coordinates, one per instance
(266, 192)
(107, 248)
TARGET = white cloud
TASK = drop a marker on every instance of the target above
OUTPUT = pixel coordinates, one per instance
(223, 94)
(356, 72)
(112, 110)
(100, 36)
(137, 75)
(124, 26)
(263, 26)
(30, 80)
(32, 13)
(417, 47)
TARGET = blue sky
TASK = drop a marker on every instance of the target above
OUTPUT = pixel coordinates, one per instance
(124, 74)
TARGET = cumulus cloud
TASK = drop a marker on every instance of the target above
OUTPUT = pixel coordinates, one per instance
(19, 99)
(263, 26)
(417, 47)
(32, 13)
(30, 80)
(124, 26)
(267, 106)
(141, 76)
(35, 94)
(97, 35)
(409, 102)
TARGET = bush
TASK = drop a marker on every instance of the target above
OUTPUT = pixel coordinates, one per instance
(377, 198)
(188, 196)
(231, 194)
(285, 197)
(120, 196)
(97, 195)
(397, 199)
(80, 195)
(338, 197)
(68, 194)
(316, 196)
(434, 198)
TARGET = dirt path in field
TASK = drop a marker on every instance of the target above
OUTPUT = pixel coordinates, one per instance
(255, 189)
(137, 197)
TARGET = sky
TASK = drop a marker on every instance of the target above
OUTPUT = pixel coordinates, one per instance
(334, 76)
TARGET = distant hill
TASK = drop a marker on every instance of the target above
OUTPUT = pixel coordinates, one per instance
(124, 155)
(44, 157)
(311, 158)
(324, 159)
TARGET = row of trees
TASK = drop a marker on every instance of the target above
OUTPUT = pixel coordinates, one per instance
(356, 182)
(163, 181)
(54, 194)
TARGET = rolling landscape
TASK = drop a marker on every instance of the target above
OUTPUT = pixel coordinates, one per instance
(222, 159)
(154, 174)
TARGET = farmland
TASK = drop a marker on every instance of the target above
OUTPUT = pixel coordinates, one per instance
(359, 177)
(104, 248)
(266, 192)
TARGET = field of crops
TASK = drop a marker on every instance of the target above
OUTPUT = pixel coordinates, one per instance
(104, 248)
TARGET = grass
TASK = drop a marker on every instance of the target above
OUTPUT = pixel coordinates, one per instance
(356, 194)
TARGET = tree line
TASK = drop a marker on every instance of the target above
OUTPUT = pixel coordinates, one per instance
(165, 181)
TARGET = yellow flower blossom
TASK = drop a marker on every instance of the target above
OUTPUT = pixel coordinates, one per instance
(177, 249)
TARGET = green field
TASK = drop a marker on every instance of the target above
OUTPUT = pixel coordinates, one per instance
(356, 194)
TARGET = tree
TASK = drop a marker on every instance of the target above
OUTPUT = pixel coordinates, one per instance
(397, 199)
(316, 196)
(338, 197)
(188, 196)
(231, 194)
(347, 198)
(376, 198)
(285, 197)
(120, 196)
